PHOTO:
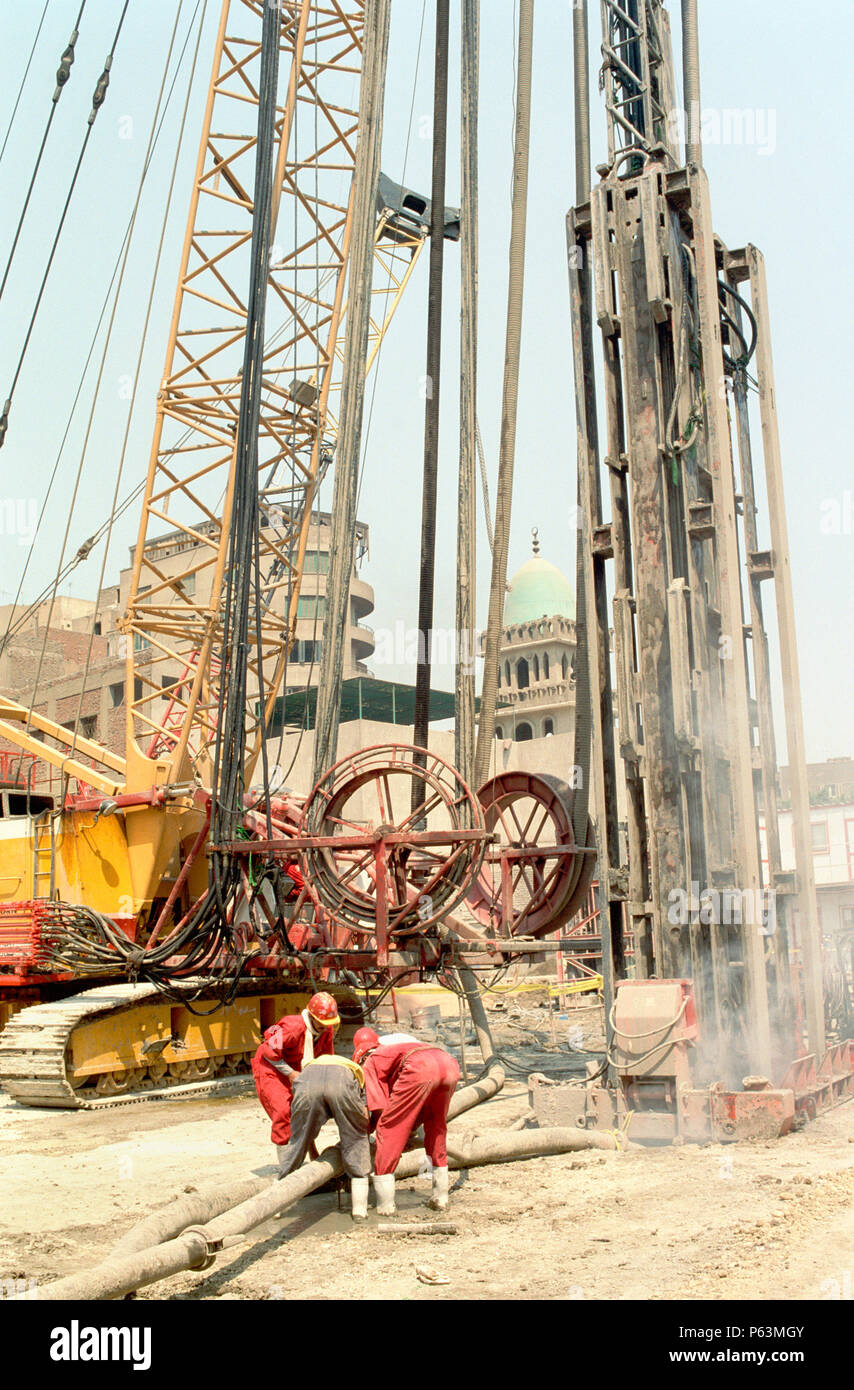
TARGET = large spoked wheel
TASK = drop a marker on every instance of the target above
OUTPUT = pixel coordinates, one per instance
(416, 865)
(535, 876)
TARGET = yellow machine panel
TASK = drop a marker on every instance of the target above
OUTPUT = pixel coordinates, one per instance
(172, 1035)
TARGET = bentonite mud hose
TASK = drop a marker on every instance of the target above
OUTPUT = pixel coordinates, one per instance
(196, 1246)
(349, 447)
(691, 82)
(204, 1206)
(468, 980)
(427, 567)
(507, 449)
(464, 669)
(583, 716)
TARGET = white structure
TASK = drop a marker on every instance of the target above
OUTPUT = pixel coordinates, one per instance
(832, 831)
(536, 685)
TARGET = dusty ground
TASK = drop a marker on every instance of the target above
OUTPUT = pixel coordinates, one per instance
(770, 1221)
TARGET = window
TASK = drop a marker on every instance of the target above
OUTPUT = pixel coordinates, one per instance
(140, 642)
(507, 672)
(548, 727)
(29, 805)
(564, 667)
(312, 606)
(89, 726)
(166, 684)
(523, 733)
(499, 678)
(545, 666)
(304, 653)
(187, 586)
(499, 732)
(522, 676)
(137, 688)
(820, 837)
(536, 668)
(316, 562)
(117, 694)
(98, 629)
(847, 916)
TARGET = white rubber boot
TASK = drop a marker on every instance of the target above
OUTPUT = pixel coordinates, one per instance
(384, 1188)
(359, 1198)
(439, 1199)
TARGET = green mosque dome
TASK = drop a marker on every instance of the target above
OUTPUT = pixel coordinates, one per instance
(538, 590)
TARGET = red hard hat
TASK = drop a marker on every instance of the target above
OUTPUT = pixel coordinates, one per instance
(364, 1041)
(324, 1010)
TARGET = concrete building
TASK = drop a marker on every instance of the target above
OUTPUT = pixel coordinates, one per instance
(66, 614)
(831, 790)
(59, 657)
(536, 684)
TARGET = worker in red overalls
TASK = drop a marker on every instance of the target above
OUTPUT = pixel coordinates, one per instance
(407, 1084)
(287, 1046)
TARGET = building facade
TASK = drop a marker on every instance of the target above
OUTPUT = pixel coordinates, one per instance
(81, 634)
(831, 791)
(536, 681)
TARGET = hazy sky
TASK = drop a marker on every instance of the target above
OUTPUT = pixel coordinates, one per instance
(788, 191)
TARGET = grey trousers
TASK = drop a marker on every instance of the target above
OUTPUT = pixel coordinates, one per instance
(322, 1093)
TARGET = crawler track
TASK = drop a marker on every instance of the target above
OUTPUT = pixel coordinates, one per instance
(36, 1049)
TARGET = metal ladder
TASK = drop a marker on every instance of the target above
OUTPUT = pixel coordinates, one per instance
(44, 856)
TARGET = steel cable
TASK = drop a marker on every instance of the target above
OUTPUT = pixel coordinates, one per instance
(98, 98)
(12, 628)
(63, 73)
(23, 82)
(102, 365)
(148, 307)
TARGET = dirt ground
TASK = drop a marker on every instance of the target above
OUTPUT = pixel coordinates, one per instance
(771, 1221)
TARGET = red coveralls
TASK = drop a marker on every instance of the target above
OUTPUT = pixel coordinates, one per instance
(283, 1043)
(410, 1084)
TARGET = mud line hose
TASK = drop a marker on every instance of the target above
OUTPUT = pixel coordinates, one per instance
(206, 1206)
(510, 396)
(196, 1247)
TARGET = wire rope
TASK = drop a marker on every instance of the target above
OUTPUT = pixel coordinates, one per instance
(63, 74)
(23, 81)
(86, 547)
(98, 98)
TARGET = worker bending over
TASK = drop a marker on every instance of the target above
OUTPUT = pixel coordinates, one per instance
(332, 1088)
(406, 1084)
(291, 1043)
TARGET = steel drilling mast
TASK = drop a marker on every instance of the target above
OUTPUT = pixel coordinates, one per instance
(675, 569)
